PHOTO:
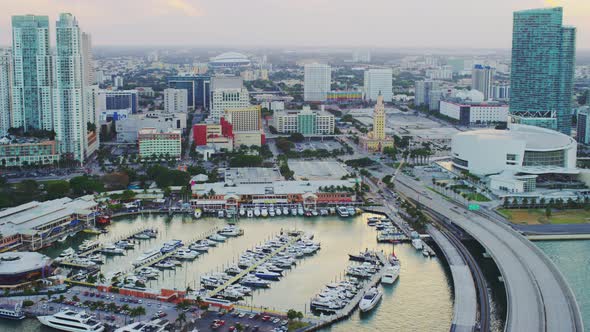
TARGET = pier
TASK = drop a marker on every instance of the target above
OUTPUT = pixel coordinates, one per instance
(254, 266)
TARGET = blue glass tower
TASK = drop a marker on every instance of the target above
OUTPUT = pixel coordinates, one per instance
(198, 89)
(543, 57)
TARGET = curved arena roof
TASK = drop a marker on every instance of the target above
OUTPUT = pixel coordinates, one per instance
(21, 262)
(230, 58)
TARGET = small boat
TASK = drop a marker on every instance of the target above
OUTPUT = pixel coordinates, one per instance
(165, 264)
(242, 212)
(271, 211)
(278, 211)
(264, 212)
(253, 281)
(390, 274)
(249, 213)
(293, 211)
(124, 244)
(63, 239)
(217, 238)
(265, 274)
(257, 211)
(233, 270)
(351, 211)
(67, 253)
(186, 254)
(370, 299)
(199, 247)
(324, 212)
(417, 244)
(198, 213)
(220, 214)
(96, 258)
(425, 252)
(300, 210)
(315, 213)
(307, 213)
(12, 310)
(342, 211)
(285, 210)
(142, 236)
(87, 245)
(231, 231)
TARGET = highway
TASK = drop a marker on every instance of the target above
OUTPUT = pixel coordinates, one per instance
(538, 297)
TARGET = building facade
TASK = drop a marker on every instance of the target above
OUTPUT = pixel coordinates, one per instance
(198, 88)
(376, 140)
(317, 82)
(227, 93)
(305, 121)
(32, 106)
(468, 113)
(5, 92)
(378, 81)
(543, 58)
(70, 123)
(244, 119)
(175, 100)
(27, 152)
(482, 78)
(153, 142)
(111, 100)
(583, 131)
(422, 92)
(346, 96)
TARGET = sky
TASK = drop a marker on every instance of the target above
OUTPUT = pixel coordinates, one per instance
(332, 23)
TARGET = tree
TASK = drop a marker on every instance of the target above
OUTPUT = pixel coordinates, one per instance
(548, 212)
(58, 189)
(296, 137)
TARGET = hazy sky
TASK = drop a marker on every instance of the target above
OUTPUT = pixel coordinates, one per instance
(370, 23)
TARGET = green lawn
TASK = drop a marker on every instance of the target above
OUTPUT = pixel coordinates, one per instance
(477, 197)
(537, 216)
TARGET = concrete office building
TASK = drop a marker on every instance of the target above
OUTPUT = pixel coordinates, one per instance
(422, 92)
(227, 93)
(5, 92)
(198, 88)
(378, 81)
(583, 131)
(154, 142)
(469, 112)
(32, 106)
(317, 82)
(128, 128)
(175, 100)
(482, 78)
(244, 119)
(543, 58)
(113, 100)
(305, 121)
(118, 82)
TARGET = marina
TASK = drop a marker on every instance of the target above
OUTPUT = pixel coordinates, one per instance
(303, 281)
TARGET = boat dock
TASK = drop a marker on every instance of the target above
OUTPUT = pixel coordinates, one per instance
(391, 215)
(345, 312)
(254, 266)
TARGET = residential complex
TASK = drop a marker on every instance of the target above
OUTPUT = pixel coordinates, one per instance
(32, 106)
(305, 121)
(175, 100)
(422, 93)
(317, 81)
(154, 142)
(5, 93)
(27, 152)
(583, 129)
(379, 81)
(543, 57)
(482, 78)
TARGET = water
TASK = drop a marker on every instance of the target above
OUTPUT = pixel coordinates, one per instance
(571, 257)
(421, 300)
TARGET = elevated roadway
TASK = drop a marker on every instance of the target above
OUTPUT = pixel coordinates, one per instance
(538, 296)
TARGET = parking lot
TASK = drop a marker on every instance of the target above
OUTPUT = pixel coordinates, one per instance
(317, 145)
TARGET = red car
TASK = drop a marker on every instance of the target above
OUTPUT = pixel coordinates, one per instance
(217, 323)
(266, 318)
(232, 328)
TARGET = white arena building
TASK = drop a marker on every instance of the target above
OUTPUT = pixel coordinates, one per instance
(230, 60)
(517, 158)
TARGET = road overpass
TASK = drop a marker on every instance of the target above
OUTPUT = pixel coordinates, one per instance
(538, 296)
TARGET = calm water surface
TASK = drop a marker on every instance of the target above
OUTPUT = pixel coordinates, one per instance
(421, 300)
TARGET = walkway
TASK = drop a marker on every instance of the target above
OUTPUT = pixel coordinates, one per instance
(465, 306)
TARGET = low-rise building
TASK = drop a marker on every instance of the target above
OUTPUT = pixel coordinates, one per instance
(27, 151)
(305, 121)
(127, 129)
(469, 112)
(35, 225)
(154, 142)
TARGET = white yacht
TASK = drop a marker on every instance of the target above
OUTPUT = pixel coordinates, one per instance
(293, 211)
(12, 311)
(271, 211)
(285, 210)
(242, 212)
(157, 325)
(111, 249)
(278, 211)
(249, 213)
(370, 299)
(217, 238)
(417, 243)
(69, 320)
(264, 212)
(147, 256)
(185, 253)
(390, 275)
(257, 211)
(342, 211)
(300, 210)
(87, 245)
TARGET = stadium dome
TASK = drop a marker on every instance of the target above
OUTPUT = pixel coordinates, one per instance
(230, 59)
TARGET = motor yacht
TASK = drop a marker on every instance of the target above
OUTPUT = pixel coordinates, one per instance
(257, 211)
(342, 211)
(265, 274)
(217, 238)
(370, 299)
(390, 274)
(264, 212)
(198, 213)
(69, 320)
(254, 281)
(12, 310)
(285, 211)
(111, 249)
(147, 256)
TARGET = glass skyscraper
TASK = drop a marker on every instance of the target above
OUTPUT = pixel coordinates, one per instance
(31, 86)
(69, 117)
(543, 57)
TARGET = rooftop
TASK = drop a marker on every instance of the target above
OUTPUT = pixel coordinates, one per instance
(20, 262)
(535, 138)
(230, 57)
(23, 219)
(232, 82)
(251, 175)
(280, 187)
(317, 170)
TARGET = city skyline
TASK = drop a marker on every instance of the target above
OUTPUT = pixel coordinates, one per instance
(181, 22)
